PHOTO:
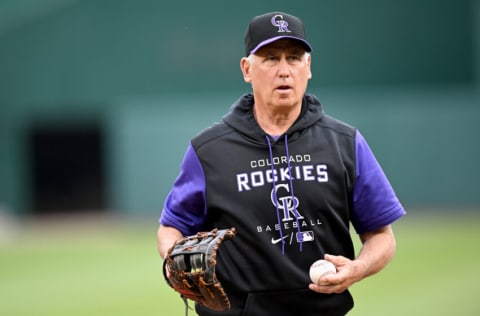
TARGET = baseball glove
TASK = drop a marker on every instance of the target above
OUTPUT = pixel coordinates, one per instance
(189, 268)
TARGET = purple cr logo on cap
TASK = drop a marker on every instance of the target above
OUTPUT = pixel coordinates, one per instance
(281, 24)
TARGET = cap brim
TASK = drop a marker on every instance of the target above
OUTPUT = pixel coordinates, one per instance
(308, 47)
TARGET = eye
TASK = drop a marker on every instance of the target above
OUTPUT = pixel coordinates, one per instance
(294, 58)
(271, 59)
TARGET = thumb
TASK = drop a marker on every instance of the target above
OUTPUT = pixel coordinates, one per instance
(336, 260)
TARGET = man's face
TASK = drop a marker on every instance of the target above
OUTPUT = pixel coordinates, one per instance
(279, 73)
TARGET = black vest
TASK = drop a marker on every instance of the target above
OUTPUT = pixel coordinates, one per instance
(304, 201)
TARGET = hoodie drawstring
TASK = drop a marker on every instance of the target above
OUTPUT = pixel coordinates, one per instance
(297, 215)
(275, 195)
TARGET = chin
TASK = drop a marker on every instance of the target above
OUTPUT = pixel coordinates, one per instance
(288, 100)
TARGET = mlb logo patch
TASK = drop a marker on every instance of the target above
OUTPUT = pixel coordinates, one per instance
(305, 236)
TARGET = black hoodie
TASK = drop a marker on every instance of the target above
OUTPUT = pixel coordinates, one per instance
(289, 198)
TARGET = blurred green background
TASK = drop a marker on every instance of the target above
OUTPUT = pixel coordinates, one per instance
(98, 99)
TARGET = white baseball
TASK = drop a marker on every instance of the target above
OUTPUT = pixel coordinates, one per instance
(320, 268)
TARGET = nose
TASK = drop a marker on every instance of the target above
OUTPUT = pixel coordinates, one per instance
(283, 68)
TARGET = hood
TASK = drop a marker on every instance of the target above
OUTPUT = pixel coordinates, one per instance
(240, 117)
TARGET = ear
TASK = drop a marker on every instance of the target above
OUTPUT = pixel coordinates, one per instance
(309, 64)
(245, 67)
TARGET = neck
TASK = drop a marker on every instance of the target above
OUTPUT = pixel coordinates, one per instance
(276, 122)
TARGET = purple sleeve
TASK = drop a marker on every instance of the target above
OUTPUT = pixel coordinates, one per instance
(184, 207)
(375, 204)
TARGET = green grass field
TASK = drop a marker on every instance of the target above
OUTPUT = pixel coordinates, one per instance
(113, 269)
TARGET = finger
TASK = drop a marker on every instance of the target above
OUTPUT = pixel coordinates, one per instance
(327, 289)
(319, 288)
(329, 279)
(337, 260)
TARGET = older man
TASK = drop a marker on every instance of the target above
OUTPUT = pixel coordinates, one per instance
(291, 179)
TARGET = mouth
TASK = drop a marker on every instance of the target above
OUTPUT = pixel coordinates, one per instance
(284, 88)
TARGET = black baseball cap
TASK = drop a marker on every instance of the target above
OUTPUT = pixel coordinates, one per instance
(270, 27)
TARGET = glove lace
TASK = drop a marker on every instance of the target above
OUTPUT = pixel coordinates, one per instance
(186, 305)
